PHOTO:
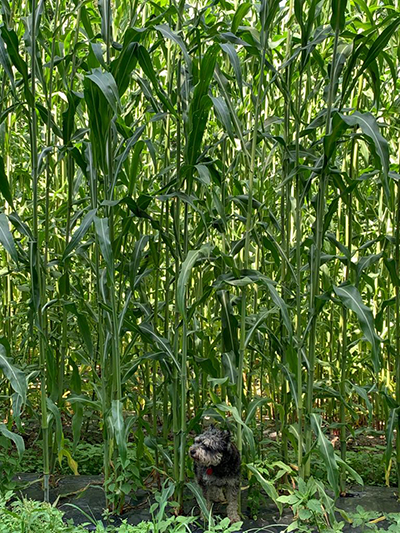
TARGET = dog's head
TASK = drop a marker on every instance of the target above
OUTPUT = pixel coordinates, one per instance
(209, 447)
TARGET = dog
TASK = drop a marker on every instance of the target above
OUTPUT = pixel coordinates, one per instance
(217, 469)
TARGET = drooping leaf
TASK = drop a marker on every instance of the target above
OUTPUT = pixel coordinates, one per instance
(103, 234)
(327, 453)
(198, 494)
(255, 404)
(267, 485)
(15, 376)
(280, 303)
(160, 341)
(17, 439)
(6, 64)
(79, 233)
(11, 40)
(55, 411)
(6, 237)
(229, 365)
(235, 62)
(186, 268)
(351, 298)
(222, 112)
(351, 472)
(169, 34)
(229, 324)
(106, 83)
(370, 128)
(148, 68)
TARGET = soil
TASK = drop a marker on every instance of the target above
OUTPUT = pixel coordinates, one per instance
(80, 497)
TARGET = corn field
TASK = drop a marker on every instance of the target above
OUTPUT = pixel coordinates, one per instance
(200, 217)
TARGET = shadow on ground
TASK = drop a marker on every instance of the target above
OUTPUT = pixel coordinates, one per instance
(80, 497)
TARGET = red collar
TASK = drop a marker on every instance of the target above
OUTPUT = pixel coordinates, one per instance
(209, 471)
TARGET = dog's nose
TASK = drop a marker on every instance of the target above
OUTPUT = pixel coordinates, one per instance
(192, 452)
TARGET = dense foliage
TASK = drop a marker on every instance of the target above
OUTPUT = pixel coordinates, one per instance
(200, 216)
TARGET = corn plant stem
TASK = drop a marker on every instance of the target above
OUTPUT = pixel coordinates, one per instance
(246, 256)
(47, 202)
(36, 263)
(286, 223)
(176, 412)
(397, 328)
(155, 319)
(316, 263)
(298, 296)
(166, 325)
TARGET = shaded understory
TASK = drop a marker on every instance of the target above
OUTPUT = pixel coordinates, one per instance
(82, 496)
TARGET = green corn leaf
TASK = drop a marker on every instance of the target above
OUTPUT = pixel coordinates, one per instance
(6, 64)
(106, 83)
(280, 303)
(17, 439)
(186, 268)
(229, 324)
(200, 106)
(6, 237)
(235, 62)
(79, 233)
(352, 473)
(252, 409)
(147, 66)
(14, 375)
(222, 112)
(229, 365)
(106, 19)
(391, 424)
(123, 66)
(351, 298)
(103, 234)
(162, 343)
(10, 38)
(267, 485)
(259, 319)
(54, 410)
(351, 77)
(239, 15)
(166, 31)
(116, 422)
(370, 129)
(198, 494)
(247, 432)
(325, 448)
(83, 328)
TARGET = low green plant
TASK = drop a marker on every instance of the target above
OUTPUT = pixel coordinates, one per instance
(365, 520)
(372, 520)
(312, 508)
(29, 516)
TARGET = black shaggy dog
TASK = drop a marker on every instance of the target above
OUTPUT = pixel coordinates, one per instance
(217, 469)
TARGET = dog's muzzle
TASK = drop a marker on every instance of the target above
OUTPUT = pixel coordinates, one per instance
(192, 452)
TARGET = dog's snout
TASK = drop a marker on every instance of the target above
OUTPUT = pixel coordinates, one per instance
(192, 452)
